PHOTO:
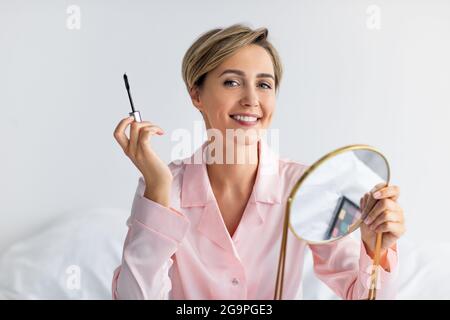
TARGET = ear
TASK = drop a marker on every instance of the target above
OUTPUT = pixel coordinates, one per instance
(195, 97)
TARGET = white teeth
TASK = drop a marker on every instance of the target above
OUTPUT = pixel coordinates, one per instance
(245, 118)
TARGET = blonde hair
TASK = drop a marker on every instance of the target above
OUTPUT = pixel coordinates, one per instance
(216, 45)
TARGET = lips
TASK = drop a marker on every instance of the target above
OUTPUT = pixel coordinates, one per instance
(247, 120)
(254, 115)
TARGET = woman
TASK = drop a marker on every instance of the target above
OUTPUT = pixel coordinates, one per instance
(202, 230)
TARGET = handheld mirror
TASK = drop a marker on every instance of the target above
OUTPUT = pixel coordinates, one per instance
(323, 205)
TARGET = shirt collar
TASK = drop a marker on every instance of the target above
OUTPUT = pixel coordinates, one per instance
(196, 189)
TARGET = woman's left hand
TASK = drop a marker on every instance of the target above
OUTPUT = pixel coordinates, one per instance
(383, 214)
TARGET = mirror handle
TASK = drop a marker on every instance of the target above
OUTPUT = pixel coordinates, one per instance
(376, 263)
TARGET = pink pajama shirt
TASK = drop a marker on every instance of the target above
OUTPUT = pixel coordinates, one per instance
(186, 251)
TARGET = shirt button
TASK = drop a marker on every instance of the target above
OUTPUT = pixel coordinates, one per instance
(235, 282)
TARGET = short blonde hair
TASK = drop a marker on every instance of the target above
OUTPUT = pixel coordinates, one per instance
(216, 45)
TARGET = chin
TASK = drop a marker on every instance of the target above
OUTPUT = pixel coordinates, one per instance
(248, 141)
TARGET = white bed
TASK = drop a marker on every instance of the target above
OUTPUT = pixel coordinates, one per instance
(74, 258)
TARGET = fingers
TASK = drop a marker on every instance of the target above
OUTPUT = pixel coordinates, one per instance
(379, 208)
(386, 216)
(378, 187)
(388, 240)
(134, 135)
(147, 131)
(395, 228)
(369, 199)
(368, 204)
(119, 132)
(130, 145)
(392, 192)
(381, 213)
(362, 204)
(136, 139)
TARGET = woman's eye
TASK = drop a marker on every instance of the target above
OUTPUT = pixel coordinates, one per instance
(231, 83)
(265, 85)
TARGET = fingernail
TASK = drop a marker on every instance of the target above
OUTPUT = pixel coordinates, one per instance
(377, 194)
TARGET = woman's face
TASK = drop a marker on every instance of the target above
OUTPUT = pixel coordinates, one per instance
(239, 94)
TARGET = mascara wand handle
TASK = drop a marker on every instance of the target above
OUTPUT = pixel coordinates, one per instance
(137, 116)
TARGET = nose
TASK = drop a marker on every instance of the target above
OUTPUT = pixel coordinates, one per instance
(250, 98)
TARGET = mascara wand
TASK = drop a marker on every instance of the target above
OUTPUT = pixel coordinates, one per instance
(136, 114)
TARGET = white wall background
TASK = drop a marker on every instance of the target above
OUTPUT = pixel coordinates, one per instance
(62, 94)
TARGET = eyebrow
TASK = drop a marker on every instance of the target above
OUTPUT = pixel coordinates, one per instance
(242, 73)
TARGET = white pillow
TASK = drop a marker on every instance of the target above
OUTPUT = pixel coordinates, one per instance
(73, 258)
(424, 271)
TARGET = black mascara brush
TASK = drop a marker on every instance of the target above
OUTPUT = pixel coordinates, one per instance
(136, 114)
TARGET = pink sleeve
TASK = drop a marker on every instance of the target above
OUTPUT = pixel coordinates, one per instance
(345, 267)
(154, 234)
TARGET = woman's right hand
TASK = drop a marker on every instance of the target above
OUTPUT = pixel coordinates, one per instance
(157, 175)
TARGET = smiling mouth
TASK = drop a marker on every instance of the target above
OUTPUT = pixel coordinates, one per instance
(245, 120)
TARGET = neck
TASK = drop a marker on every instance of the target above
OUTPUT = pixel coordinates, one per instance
(238, 174)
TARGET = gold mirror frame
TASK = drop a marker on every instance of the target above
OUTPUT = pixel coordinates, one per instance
(287, 225)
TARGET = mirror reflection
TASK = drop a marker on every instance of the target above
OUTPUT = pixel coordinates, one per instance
(325, 207)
